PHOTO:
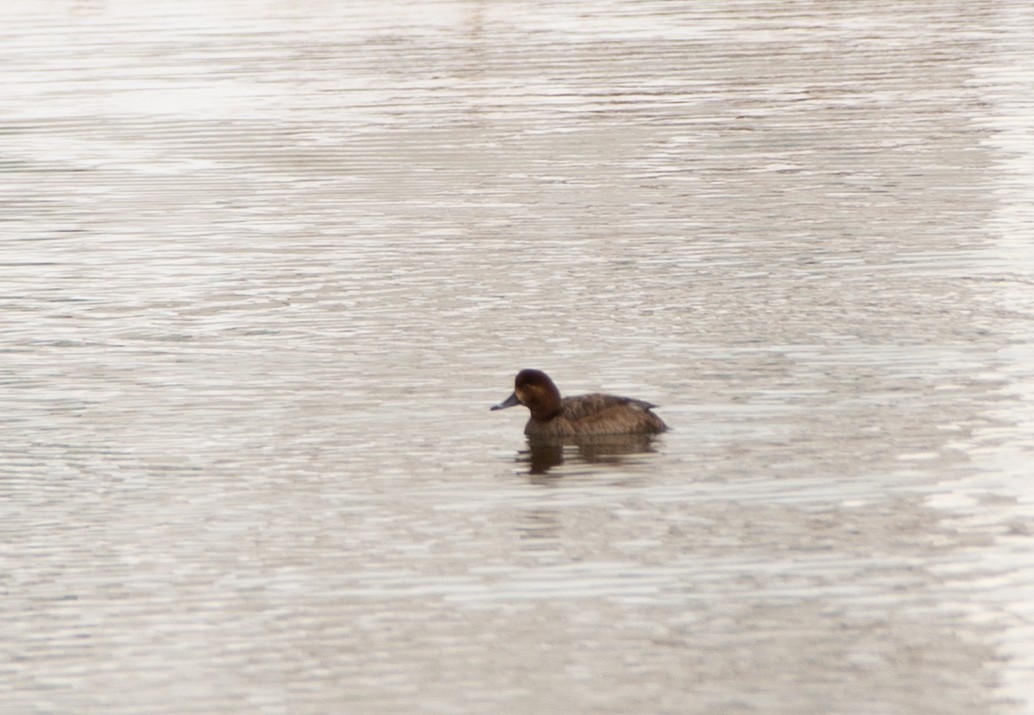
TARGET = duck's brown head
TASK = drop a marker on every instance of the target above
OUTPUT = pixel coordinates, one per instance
(534, 390)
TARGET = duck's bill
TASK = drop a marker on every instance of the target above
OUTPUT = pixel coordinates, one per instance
(508, 402)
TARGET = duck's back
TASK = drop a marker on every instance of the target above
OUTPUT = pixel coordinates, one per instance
(598, 414)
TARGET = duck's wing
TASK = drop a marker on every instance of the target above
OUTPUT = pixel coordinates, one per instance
(598, 413)
(582, 406)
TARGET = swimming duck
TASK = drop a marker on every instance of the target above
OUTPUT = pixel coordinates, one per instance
(581, 416)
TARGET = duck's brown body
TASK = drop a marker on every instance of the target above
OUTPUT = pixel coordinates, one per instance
(581, 416)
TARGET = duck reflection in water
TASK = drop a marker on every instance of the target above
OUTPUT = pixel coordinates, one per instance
(543, 454)
(603, 427)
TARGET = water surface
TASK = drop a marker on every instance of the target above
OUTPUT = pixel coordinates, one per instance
(265, 267)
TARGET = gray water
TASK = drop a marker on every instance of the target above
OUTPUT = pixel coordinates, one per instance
(264, 267)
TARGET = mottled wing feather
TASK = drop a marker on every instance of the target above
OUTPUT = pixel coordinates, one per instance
(603, 414)
(583, 406)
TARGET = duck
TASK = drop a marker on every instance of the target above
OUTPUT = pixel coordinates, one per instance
(553, 416)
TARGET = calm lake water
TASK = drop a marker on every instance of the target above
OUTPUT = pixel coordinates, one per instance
(264, 267)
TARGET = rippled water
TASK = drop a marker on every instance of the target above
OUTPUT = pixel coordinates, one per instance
(265, 266)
